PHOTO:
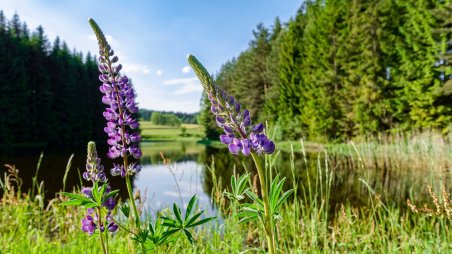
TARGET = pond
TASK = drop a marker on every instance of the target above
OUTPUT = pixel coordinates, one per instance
(190, 173)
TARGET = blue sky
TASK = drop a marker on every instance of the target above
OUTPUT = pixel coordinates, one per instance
(152, 38)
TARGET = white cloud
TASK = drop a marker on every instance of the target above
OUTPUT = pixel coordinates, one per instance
(186, 69)
(188, 85)
(159, 72)
(135, 68)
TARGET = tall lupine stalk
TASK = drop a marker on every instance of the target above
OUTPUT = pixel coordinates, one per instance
(240, 136)
(96, 199)
(122, 127)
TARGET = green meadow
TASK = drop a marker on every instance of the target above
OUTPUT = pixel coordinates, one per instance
(152, 132)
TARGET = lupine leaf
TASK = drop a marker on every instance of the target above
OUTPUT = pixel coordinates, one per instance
(125, 209)
(283, 198)
(200, 222)
(254, 197)
(76, 196)
(194, 218)
(72, 202)
(189, 236)
(189, 207)
(176, 211)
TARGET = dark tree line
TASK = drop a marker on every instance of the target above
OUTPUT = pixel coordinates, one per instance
(345, 68)
(48, 93)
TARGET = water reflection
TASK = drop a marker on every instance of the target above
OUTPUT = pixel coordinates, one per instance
(189, 174)
(162, 185)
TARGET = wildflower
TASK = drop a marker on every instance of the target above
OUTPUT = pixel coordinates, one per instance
(88, 224)
(94, 170)
(239, 134)
(132, 168)
(119, 96)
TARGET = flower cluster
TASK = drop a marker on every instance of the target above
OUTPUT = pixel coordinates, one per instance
(239, 134)
(118, 169)
(95, 173)
(90, 221)
(94, 170)
(122, 126)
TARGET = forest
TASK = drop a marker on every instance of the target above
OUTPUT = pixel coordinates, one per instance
(49, 93)
(335, 130)
(341, 69)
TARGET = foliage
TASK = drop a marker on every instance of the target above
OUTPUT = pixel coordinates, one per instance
(168, 119)
(341, 69)
(190, 118)
(41, 100)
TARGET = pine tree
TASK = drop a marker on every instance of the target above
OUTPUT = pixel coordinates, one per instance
(320, 69)
(290, 77)
(416, 78)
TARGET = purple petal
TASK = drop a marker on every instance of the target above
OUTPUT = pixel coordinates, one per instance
(225, 139)
(269, 147)
(233, 148)
(258, 128)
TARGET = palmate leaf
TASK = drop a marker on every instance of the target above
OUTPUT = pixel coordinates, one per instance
(160, 235)
(282, 199)
(72, 202)
(78, 200)
(276, 199)
(238, 187)
(176, 224)
(76, 196)
(255, 198)
(125, 209)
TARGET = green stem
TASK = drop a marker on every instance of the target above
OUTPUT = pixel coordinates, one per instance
(101, 235)
(132, 201)
(134, 207)
(268, 227)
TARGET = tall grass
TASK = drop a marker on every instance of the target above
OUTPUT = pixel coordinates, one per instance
(399, 165)
(309, 223)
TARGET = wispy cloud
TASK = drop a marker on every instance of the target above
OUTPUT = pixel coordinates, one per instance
(159, 72)
(186, 69)
(136, 68)
(188, 85)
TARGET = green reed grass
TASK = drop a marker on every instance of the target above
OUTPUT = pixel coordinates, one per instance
(309, 224)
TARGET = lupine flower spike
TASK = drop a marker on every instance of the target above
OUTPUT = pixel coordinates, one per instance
(122, 125)
(119, 96)
(94, 172)
(239, 134)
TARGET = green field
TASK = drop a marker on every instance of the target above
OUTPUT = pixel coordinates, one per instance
(152, 132)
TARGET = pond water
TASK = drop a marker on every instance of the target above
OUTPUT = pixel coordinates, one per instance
(188, 174)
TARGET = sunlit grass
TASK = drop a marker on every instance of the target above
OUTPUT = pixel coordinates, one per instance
(307, 224)
(152, 132)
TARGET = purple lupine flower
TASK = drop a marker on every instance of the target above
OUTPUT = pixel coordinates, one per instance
(239, 133)
(94, 170)
(112, 226)
(119, 96)
(118, 169)
(88, 224)
(110, 203)
(87, 191)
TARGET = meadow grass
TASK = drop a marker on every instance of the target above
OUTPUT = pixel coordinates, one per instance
(307, 224)
(152, 132)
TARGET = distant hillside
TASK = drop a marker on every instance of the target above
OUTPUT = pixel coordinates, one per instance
(146, 114)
